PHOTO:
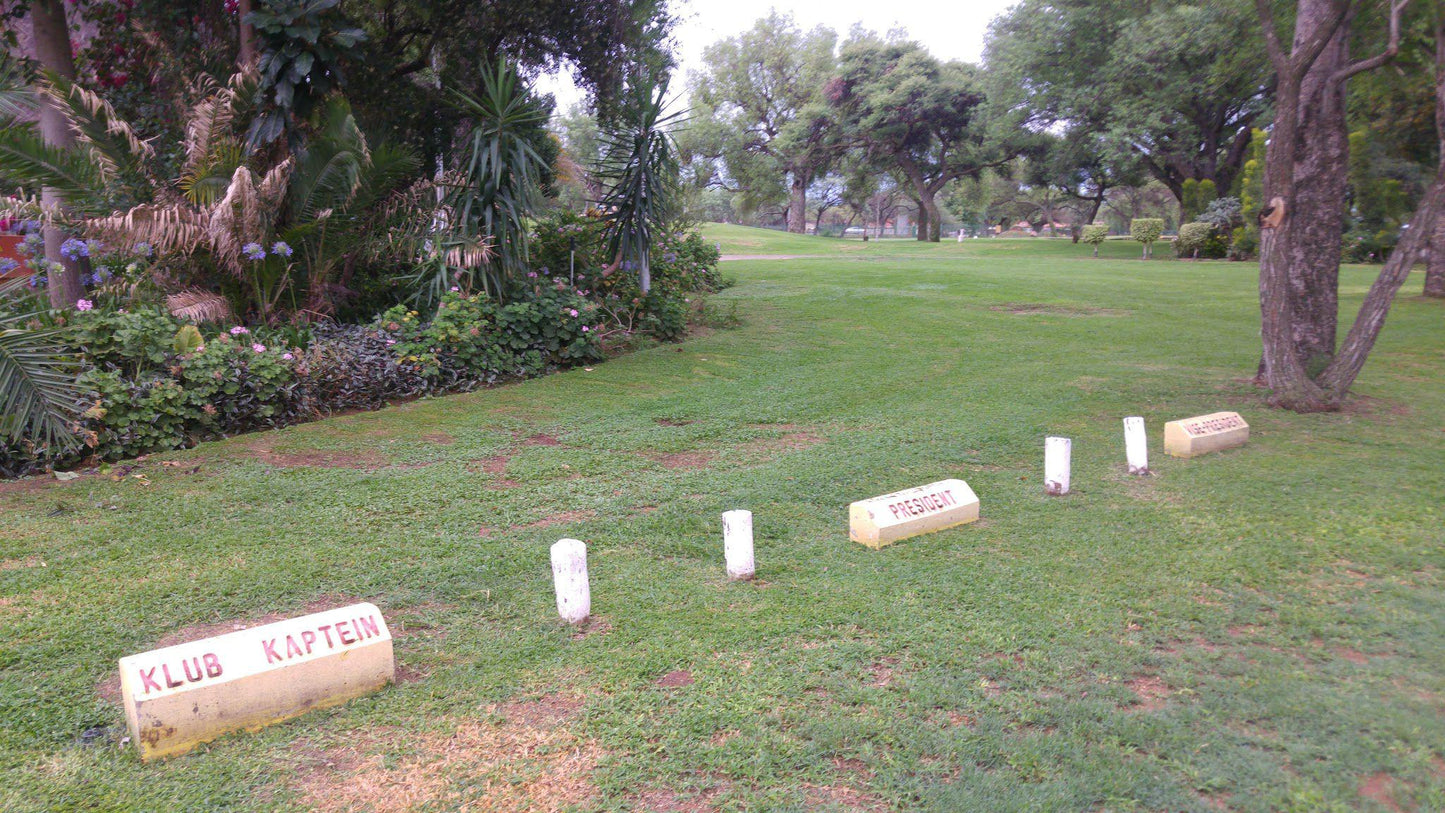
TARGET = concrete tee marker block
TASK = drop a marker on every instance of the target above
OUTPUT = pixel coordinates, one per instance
(1191, 437)
(181, 696)
(883, 520)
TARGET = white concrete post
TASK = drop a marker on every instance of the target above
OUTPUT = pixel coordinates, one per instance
(1057, 454)
(1136, 445)
(738, 543)
(569, 574)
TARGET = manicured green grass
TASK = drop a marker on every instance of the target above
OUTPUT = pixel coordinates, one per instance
(1259, 629)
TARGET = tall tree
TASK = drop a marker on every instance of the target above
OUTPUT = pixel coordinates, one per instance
(50, 34)
(1176, 84)
(916, 116)
(1286, 363)
(764, 88)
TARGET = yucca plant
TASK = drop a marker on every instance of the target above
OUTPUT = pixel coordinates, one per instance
(39, 399)
(639, 169)
(498, 190)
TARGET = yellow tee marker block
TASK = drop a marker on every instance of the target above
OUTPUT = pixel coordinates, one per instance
(1192, 437)
(181, 696)
(884, 520)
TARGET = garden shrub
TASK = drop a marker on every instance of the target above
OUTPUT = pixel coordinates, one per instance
(1192, 238)
(1094, 236)
(1146, 230)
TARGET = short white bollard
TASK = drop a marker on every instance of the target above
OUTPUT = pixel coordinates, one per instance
(738, 543)
(569, 574)
(1057, 452)
(1136, 445)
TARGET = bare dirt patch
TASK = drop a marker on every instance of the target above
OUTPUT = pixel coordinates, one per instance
(672, 422)
(683, 460)
(594, 625)
(793, 439)
(315, 458)
(1151, 691)
(563, 518)
(1379, 788)
(496, 465)
(1354, 656)
(676, 679)
(844, 797)
(524, 759)
(21, 564)
(880, 674)
(439, 438)
(541, 439)
(661, 800)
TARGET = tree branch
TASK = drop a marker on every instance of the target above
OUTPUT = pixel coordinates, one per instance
(1397, 7)
(1271, 36)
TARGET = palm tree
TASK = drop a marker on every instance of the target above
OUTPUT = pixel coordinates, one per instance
(640, 170)
(499, 187)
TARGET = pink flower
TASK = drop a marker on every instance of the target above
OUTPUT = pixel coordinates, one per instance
(83, 304)
(455, 289)
(287, 356)
(259, 348)
(532, 274)
(584, 328)
(390, 342)
(573, 312)
(238, 330)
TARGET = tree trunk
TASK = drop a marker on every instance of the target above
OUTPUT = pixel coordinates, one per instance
(1337, 378)
(935, 217)
(1284, 372)
(51, 35)
(247, 53)
(1321, 171)
(798, 204)
(1435, 261)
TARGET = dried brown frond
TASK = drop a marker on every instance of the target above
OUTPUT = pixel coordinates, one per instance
(236, 220)
(200, 306)
(101, 111)
(31, 207)
(272, 188)
(169, 229)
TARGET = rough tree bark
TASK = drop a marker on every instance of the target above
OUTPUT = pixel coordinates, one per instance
(1283, 369)
(246, 55)
(1435, 261)
(1281, 221)
(51, 34)
(798, 203)
(1320, 179)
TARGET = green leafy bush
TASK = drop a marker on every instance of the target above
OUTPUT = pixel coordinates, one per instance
(1146, 230)
(1192, 237)
(1094, 236)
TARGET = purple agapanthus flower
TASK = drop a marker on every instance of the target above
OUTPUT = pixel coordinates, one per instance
(254, 251)
(281, 249)
(73, 249)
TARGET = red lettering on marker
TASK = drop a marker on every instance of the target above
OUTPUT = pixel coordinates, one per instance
(293, 647)
(213, 664)
(894, 509)
(186, 666)
(171, 682)
(367, 626)
(308, 637)
(345, 634)
(269, 647)
(148, 679)
(326, 630)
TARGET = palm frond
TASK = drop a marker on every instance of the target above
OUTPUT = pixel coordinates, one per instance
(17, 93)
(200, 306)
(27, 160)
(114, 146)
(169, 229)
(39, 398)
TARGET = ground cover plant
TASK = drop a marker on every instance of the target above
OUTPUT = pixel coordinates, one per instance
(1260, 629)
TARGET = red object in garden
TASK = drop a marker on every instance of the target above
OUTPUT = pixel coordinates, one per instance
(9, 250)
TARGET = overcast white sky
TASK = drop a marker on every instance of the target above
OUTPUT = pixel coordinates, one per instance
(951, 30)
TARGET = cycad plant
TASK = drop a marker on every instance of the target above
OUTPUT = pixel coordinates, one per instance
(38, 395)
(640, 171)
(498, 189)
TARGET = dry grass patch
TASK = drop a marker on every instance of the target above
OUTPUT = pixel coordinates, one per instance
(1043, 309)
(1151, 691)
(683, 460)
(520, 758)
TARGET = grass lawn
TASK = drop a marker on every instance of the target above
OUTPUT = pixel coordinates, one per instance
(1259, 629)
